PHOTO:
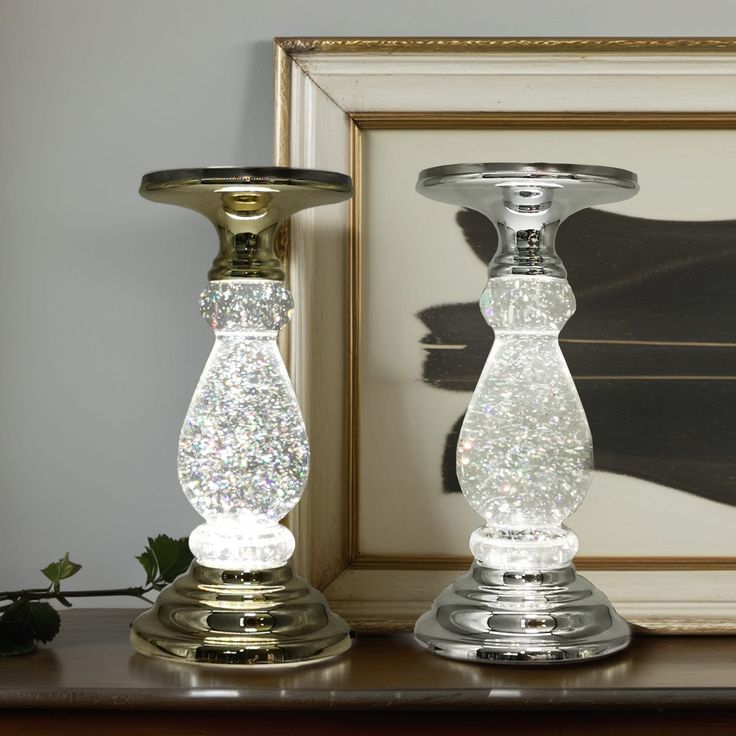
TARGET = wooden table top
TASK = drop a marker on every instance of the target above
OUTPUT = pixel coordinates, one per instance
(91, 665)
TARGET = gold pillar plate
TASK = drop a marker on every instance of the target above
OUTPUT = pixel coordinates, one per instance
(262, 617)
(246, 206)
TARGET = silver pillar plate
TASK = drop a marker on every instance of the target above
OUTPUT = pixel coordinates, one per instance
(522, 618)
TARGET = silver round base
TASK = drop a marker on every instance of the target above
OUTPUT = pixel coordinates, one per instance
(522, 618)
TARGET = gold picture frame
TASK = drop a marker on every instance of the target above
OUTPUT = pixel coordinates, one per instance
(320, 122)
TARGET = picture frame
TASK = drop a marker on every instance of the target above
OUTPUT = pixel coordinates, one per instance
(331, 92)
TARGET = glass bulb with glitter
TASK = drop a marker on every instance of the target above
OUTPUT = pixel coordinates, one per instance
(243, 451)
(525, 453)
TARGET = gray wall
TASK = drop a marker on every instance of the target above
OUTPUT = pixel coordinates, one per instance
(100, 338)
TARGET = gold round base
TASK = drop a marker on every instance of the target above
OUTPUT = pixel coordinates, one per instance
(231, 617)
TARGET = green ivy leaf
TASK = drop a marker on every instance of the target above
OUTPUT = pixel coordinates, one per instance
(173, 556)
(61, 570)
(45, 621)
(52, 571)
(16, 634)
(23, 620)
(15, 638)
(11, 645)
(148, 560)
(18, 612)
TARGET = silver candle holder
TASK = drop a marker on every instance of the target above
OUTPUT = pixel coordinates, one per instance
(525, 454)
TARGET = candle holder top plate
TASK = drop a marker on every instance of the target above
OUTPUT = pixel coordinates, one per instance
(246, 205)
(570, 186)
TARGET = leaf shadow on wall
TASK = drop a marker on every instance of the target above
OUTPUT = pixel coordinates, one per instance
(652, 345)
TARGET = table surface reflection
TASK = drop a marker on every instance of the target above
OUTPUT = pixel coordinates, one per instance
(91, 665)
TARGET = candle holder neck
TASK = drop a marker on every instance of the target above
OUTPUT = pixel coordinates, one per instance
(246, 255)
(528, 250)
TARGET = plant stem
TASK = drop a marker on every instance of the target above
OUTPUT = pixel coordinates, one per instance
(33, 595)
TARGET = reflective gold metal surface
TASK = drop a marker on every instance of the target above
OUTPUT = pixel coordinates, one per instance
(262, 617)
(246, 206)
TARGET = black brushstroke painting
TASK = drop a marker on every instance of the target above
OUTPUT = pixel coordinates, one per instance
(655, 364)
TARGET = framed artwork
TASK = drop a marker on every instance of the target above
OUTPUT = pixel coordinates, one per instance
(388, 341)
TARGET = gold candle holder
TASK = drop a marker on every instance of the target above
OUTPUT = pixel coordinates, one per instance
(243, 450)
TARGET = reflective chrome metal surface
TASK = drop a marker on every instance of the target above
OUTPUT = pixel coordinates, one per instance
(522, 618)
(526, 203)
(263, 617)
(538, 611)
(246, 205)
